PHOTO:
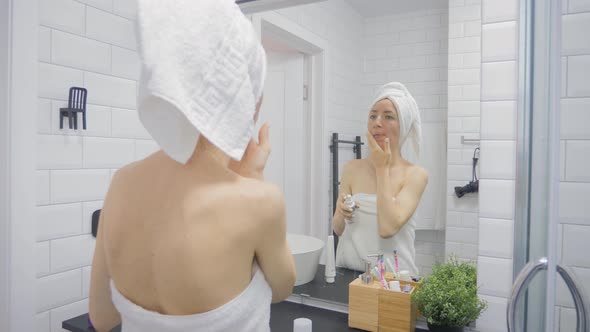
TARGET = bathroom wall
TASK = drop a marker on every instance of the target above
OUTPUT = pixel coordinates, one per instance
(498, 135)
(91, 44)
(463, 120)
(412, 47)
(574, 223)
(498, 123)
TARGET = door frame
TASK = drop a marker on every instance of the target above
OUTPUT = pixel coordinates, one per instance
(18, 134)
(317, 52)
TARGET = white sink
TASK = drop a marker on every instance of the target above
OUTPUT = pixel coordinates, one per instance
(306, 252)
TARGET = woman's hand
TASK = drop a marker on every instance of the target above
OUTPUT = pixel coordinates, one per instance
(343, 209)
(255, 157)
(378, 157)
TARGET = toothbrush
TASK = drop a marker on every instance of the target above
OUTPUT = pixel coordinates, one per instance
(375, 272)
(389, 265)
(383, 283)
(396, 263)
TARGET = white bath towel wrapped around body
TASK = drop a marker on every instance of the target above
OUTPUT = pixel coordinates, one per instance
(361, 238)
(248, 312)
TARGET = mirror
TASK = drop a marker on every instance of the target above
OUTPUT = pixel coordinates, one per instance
(326, 62)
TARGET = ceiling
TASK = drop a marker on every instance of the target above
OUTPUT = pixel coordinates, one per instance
(374, 8)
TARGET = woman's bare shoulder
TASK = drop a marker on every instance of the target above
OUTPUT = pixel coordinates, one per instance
(356, 164)
(417, 174)
(261, 192)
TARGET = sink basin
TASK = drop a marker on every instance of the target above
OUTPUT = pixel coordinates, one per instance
(306, 252)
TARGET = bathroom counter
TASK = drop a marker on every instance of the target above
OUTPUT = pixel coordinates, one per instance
(336, 292)
(283, 314)
(281, 319)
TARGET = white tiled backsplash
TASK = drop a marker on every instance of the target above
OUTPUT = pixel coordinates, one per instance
(109, 28)
(464, 111)
(55, 81)
(499, 11)
(499, 80)
(574, 34)
(575, 118)
(58, 221)
(71, 253)
(74, 51)
(110, 91)
(496, 237)
(498, 133)
(65, 15)
(575, 186)
(91, 46)
(500, 270)
(499, 41)
(578, 71)
(500, 120)
(59, 289)
(498, 162)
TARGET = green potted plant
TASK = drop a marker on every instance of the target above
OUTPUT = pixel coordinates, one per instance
(448, 297)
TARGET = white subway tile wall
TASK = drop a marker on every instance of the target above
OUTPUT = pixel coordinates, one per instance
(58, 289)
(90, 44)
(71, 252)
(42, 258)
(66, 312)
(464, 113)
(412, 48)
(494, 318)
(575, 158)
(58, 221)
(78, 52)
(498, 136)
(44, 44)
(42, 321)
(501, 270)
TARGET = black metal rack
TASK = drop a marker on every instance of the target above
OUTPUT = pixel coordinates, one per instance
(335, 178)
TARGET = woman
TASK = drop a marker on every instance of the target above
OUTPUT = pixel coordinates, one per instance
(385, 186)
(191, 238)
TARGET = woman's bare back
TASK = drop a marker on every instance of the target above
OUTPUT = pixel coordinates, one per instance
(181, 239)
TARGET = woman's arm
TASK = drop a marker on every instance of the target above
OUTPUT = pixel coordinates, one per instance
(393, 213)
(342, 211)
(272, 252)
(103, 314)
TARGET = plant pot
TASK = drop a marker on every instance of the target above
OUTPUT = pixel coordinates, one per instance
(438, 328)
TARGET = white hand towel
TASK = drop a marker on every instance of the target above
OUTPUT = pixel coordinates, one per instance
(203, 71)
(407, 110)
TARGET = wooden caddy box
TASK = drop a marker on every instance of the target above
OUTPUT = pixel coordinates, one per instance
(372, 308)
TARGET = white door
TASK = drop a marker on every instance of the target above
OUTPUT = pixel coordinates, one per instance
(283, 108)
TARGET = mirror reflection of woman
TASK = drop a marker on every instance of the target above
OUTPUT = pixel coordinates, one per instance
(386, 187)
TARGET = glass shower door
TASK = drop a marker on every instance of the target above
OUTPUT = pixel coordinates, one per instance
(537, 244)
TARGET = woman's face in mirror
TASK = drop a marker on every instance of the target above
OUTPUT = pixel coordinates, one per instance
(384, 123)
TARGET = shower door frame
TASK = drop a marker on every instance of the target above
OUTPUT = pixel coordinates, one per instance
(537, 158)
(19, 66)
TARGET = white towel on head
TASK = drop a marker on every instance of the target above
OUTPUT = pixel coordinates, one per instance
(203, 71)
(407, 110)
